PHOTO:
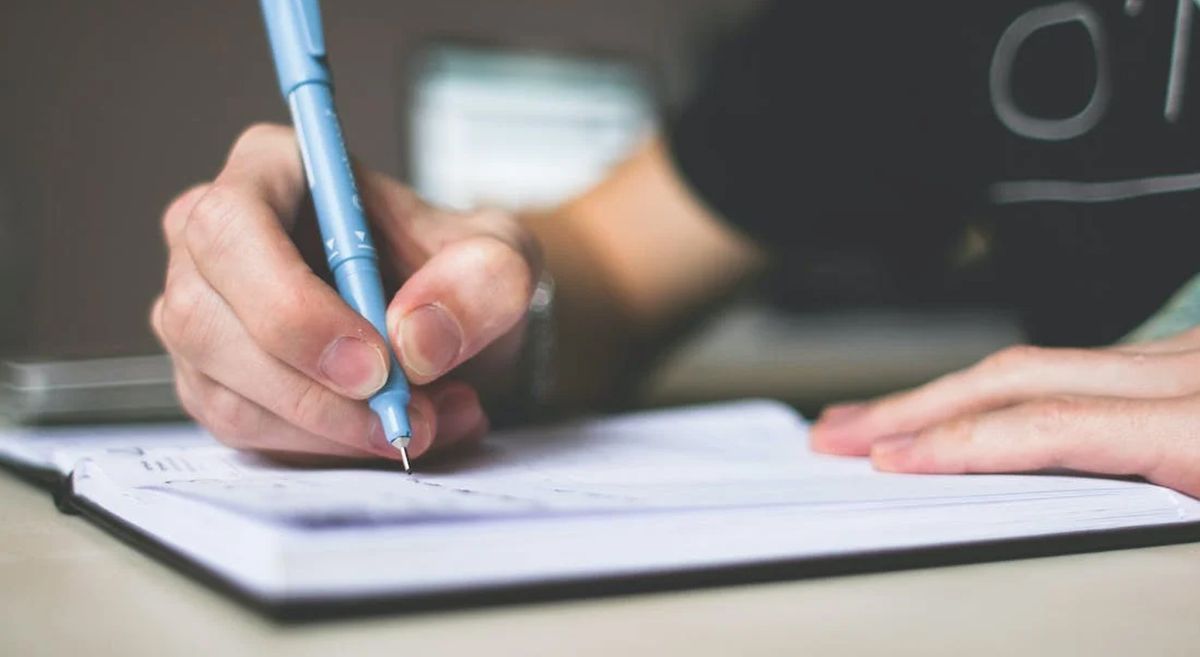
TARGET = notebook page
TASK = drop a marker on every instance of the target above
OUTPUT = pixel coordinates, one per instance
(58, 448)
(732, 456)
(652, 492)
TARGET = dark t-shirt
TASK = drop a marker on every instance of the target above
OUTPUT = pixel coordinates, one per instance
(876, 131)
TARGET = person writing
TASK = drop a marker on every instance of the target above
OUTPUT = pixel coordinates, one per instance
(879, 131)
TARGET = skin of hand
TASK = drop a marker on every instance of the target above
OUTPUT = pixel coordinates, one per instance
(1123, 410)
(269, 358)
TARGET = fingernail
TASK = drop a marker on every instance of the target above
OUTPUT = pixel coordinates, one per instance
(430, 340)
(377, 441)
(889, 447)
(355, 366)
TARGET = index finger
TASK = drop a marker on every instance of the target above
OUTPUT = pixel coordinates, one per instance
(235, 235)
(1152, 438)
(1005, 378)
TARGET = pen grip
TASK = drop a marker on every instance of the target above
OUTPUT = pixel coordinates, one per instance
(344, 231)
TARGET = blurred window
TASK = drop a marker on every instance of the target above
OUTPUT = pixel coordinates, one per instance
(521, 130)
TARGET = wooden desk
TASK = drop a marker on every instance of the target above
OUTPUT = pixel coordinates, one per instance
(812, 358)
(67, 588)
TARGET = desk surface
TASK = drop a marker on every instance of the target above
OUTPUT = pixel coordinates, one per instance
(68, 588)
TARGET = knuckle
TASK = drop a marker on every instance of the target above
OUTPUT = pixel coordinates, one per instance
(960, 430)
(953, 442)
(311, 408)
(182, 319)
(210, 224)
(901, 410)
(319, 411)
(1011, 358)
(175, 216)
(307, 405)
(257, 134)
(1051, 413)
(279, 321)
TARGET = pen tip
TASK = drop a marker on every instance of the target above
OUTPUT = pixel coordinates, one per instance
(404, 459)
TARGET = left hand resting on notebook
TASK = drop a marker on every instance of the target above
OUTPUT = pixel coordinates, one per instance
(1123, 410)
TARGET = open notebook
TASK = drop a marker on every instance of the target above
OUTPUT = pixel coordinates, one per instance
(633, 499)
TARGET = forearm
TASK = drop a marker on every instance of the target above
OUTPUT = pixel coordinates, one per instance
(633, 260)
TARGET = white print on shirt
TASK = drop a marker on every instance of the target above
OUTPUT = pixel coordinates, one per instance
(1061, 129)
(1000, 75)
(1180, 48)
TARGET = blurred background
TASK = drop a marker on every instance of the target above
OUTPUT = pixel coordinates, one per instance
(111, 108)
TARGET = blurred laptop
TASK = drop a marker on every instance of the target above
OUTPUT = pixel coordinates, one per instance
(90, 390)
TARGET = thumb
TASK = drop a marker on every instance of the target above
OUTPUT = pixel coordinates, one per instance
(466, 296)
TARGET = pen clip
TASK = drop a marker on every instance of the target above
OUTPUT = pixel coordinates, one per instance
(308, 14)
(297, 42)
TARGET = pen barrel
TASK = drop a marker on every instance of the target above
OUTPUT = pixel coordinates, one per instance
(343, 223)
(346, 237)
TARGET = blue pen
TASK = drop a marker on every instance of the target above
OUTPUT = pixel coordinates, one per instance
(298, 46)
